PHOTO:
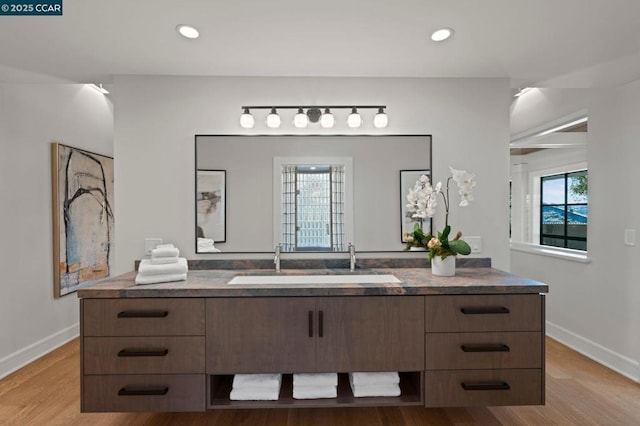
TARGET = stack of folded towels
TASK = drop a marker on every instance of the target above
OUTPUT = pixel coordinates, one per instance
(205, 245)
(315, 385)
(256, 387)
(164, 266)
(375, 384)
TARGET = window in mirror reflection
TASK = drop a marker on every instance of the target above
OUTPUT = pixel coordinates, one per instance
(564, 210)
(313, 207)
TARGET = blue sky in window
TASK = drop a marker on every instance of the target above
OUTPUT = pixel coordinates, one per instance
(553, 191)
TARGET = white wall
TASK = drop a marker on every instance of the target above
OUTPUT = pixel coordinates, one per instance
(157, 117)
(594, 307)
(32, 322)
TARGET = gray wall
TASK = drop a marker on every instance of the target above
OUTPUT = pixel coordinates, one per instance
(157, 117)
(32, 116)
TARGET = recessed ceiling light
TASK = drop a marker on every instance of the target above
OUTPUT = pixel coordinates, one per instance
(187, 31)
(442, 34)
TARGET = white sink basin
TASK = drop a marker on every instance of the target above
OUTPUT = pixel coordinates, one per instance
(315, 279)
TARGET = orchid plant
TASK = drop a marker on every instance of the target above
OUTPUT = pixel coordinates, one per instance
(423, 200)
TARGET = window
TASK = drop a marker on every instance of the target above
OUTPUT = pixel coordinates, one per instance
(313, 208)
(564, 210)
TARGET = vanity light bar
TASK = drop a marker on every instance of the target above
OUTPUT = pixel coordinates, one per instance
(314, 114)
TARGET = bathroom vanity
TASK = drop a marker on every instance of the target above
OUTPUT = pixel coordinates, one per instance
(473, 339)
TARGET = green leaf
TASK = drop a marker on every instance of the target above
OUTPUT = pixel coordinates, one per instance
(460, 247)
(445, 233)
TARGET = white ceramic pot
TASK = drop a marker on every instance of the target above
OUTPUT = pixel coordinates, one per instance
(443, 268)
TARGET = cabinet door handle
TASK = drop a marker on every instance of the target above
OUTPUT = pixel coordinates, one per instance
(499, 347)
(321, 324)
(135, 391)
(479, 386)
(310, 323)
(143, 314)
(484, 310)
(143, 352)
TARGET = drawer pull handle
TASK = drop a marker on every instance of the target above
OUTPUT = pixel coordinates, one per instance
(143, 314)
(485, 386)
(310, 323)
(485, 348)
(484, 310)
(134, 391)
(321, 324)
(151, 352)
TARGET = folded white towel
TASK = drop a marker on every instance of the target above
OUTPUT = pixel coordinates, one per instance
(147, 268)
(209, 249)
(204, 242)
(314, 392)
(165, 250)
(315, 379)
(163, 260)
(392, 389)
(254, 394)
(257, 381)
(163, 278)
(366, 379)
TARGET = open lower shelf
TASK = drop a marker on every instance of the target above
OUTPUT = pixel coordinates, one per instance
(410, 394)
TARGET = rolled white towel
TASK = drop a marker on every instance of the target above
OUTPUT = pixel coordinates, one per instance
(315, 379)
(164, 278)
(165, 250)
(257, 381)
(374, 378)
(314, 392)
(163, 260)
(209, 249)
(147, 268)
(254, 394)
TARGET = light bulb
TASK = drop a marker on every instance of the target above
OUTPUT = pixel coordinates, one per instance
(273, 119)
(442, 34)
(380, 120)
(354, 120)
(300, 120)
(246, 119)
(187, 31)
(327, 120)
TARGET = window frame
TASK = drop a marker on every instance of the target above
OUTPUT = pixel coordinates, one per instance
(565, 237)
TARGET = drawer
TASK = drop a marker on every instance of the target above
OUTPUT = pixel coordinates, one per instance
(143, 317)
(500, 312)
(458, 351)
(464, 388)
(143, 355)
(145, 393)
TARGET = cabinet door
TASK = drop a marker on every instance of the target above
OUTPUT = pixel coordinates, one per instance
(377, 333)
(260, 335)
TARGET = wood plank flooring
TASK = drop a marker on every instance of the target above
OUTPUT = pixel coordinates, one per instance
(579, 392)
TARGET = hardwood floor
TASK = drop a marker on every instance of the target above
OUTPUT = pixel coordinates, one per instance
(578, 392)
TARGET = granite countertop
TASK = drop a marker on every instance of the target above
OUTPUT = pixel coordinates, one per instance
(414, 281)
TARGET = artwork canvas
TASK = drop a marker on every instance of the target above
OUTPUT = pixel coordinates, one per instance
(211, 189)
(83, 221)
(408, 180)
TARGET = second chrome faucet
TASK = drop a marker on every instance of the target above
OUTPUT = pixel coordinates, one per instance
(352, 257)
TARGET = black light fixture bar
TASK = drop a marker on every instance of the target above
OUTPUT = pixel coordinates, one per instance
(313, 106)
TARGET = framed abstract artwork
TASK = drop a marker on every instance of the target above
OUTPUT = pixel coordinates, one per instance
(211, 204)
(83, 222)
(408, 180)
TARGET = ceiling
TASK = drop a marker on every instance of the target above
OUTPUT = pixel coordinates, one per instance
(545, 43)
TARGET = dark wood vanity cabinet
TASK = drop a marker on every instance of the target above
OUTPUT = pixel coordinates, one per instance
(324, 334)
(180, 353)
(484, 350)
(142, 354)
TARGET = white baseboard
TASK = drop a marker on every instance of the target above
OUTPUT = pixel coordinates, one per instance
(27, 355)
(610, 359)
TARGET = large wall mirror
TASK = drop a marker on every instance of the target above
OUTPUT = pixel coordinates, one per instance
(307, 193)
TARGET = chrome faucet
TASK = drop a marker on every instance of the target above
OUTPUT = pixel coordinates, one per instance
(352, 256)
(276, 258)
